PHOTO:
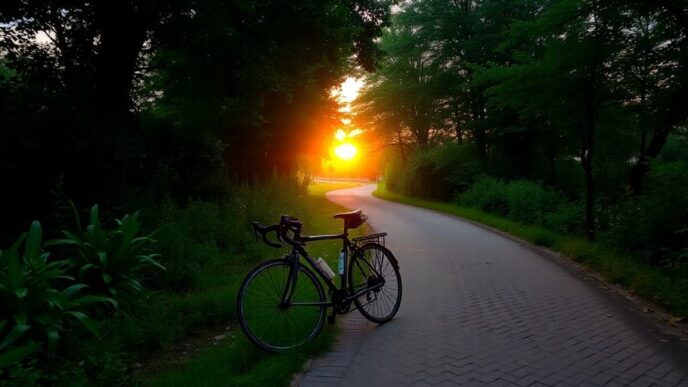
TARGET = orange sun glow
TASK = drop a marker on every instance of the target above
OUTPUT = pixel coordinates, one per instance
(340, 135)
(345, 151)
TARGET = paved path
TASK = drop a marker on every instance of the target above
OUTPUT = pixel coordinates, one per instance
(480, 309)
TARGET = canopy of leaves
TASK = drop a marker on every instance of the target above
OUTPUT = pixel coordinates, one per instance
(108, 100)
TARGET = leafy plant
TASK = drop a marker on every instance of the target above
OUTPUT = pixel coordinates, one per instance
(109, 261)
(35, 308)
(524, 201)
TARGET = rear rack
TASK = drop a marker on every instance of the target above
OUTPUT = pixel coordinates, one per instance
(378, 238)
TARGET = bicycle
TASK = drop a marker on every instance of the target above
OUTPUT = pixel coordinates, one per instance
(282, 304)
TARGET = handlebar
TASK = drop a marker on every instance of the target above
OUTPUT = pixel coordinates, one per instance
(263, 231)
(286, 224)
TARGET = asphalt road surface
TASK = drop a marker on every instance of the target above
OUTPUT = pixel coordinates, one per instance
(481, 309)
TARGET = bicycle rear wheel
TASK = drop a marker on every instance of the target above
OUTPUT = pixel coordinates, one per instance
(274, 327)
(374, 264)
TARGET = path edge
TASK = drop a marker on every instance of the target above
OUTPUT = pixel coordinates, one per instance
(658, 315)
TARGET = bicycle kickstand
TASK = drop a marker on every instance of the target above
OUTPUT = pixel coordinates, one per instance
(331, 318)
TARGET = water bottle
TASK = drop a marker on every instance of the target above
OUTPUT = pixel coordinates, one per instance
(342, 257)
(325, 268)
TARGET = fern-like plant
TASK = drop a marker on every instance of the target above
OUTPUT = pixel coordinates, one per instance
(36, 307)
(109, 262)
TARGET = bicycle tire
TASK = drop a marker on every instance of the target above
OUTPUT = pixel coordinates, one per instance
(264, 322)
(379, 305)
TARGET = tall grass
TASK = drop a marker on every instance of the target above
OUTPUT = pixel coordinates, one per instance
(207, 247)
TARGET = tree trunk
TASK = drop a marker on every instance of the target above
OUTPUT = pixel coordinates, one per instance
(642, 166)
(673, 106)
(589, 200)
(479, 134)
(552, 161)
(587, 148)
(402, 147)
(122, 33)
(457, 122)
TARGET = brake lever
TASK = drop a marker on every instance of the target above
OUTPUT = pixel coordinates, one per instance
(257, 228)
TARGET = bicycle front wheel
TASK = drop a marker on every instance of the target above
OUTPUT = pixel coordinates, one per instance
(269, 324)
(373, 265)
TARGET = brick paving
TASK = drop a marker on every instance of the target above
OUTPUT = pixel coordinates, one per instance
(482, 310)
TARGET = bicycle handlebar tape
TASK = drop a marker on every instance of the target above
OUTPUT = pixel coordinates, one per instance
(263, 231)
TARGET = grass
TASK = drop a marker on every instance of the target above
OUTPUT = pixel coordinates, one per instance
(320, 187)
(235, 361)
(664, 287)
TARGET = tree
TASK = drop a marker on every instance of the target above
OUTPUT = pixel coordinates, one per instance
(574, 77)
(656, 76)
(162, 97)
(401, 98)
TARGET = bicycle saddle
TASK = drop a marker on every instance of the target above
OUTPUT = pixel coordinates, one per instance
(349, 215)
(352, 219)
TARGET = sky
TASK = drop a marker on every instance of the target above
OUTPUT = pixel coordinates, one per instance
(348, 90)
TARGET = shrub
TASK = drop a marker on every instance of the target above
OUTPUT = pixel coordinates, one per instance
(109, 262)
(529, 202)
(457, 165)
(487, 194)
(524, 201)
(567, 218)
(209, 234)
(435, 173)
(651, 223)
(39, 300)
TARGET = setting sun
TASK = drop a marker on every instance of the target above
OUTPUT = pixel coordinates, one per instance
(346, 151)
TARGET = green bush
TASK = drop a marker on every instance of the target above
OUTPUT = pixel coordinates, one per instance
(203, 235)
(40, 302)
(530, 202)
(109, 262)
(435, 173)
(524, 201)
(567, 218)
(651, 224)
(206, 247)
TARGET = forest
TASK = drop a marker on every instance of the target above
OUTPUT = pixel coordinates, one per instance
(568, 114)
(139, 139)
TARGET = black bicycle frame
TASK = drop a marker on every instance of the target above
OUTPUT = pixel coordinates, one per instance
(298, 251)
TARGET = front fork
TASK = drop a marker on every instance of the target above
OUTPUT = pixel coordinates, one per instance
(291, 284)
(289, 289)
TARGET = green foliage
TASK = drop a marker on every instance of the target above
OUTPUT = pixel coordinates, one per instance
(487, 194)
(665, 287)
(535, 87)
(164, 106)
(523, 201)
(109, 262)
(436, 172)
(208, 247)
(41, 303)
(21, 374)
(234, 361)
(209, 234)
(14, 355)
(653, 224)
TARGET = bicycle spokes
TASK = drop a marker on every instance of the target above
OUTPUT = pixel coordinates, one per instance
(269, 320)
(281, 303)
(373, 269)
